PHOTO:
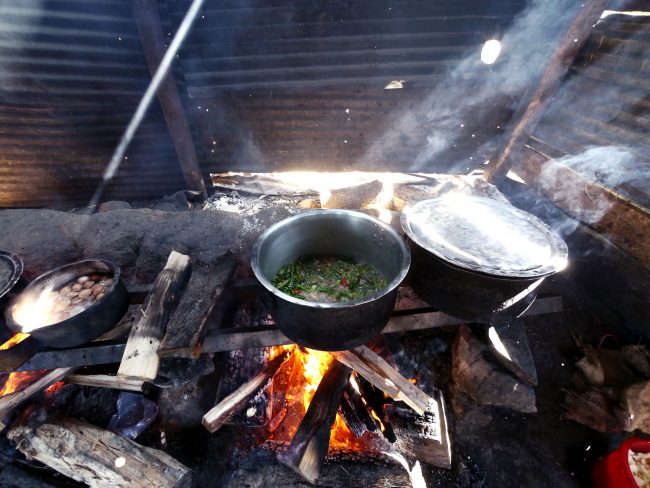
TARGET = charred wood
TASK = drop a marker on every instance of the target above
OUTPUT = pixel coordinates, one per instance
(349, 416)
(374, 400)
(424, 437)
(382, 375)
(201, 299)
(353, 398)
(308, 448)
(233, 403)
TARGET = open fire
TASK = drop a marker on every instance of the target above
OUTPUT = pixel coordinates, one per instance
(299, 378)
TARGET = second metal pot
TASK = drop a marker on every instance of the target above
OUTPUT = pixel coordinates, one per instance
(331, 326)
(86, 325)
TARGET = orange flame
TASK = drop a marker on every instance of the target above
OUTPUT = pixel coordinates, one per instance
(16, 339)
(312, 366)
(16, 380)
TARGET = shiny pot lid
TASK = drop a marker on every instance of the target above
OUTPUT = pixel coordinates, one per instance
(485, 235)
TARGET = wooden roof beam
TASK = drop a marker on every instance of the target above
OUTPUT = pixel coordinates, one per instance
(524, 123)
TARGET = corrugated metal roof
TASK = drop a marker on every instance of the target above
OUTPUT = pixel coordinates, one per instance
(283, 85)
(71, 74)
(605, 100)
(283, 44)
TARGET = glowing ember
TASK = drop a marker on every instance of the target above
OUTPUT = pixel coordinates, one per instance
(54, 387)
(16, 339)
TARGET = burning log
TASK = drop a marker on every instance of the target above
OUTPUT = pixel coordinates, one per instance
(9, 402)
(140, 358)
(373, 400)
(382, 375)
(107, 381)
(350, 417)
(233, 403)
(353, 398)
(308, 447)
(96, 456)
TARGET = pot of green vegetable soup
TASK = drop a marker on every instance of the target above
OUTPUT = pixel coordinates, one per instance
(331, 276)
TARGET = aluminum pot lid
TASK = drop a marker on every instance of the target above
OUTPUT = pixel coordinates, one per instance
(485, 235)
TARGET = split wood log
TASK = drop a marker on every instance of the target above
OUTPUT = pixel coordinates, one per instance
(424, 437)
(107, 381)
(98, 457)
(558, 65)
(354, 399)
(383, 376)
(374, 400)
(308, 448)
(9, 402)
(350, 417)
(233, 403)
(140, 360)
(189, 323)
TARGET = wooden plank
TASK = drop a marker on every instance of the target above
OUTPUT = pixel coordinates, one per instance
(98, 457)
(140, 360)
(383, 376)
(106, 381)
(558, 65)
(214, 419)
(147, 19)
(188, 324)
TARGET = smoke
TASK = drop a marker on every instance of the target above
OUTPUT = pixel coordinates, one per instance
(437, 124)
(610, 167)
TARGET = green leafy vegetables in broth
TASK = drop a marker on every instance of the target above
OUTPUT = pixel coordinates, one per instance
(328, 279)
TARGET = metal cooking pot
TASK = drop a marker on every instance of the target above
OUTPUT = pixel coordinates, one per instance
(331, 326)
(476, 256)
(87, 325)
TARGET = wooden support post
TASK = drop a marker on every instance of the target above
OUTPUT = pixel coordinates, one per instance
(383, 376)
(233, 403)
(147, 20)
(558, 65)
(140, 359)
(106, 381)
(308, 447)
(98, 457)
